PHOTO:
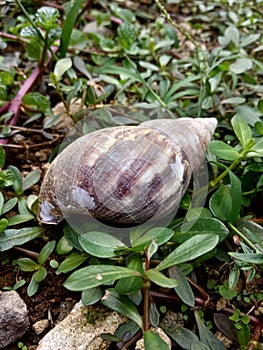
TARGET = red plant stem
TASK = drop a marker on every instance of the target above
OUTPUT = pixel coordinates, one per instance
(160, 295)
(15, 104)
(255, 338)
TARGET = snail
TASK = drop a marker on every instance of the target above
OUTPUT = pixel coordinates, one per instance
(125, 174)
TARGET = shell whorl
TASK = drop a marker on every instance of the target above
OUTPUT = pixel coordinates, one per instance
(125, 174)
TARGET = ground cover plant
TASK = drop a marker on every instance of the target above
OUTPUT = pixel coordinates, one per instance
(62, 63)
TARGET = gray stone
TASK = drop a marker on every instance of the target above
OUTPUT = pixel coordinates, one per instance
(81, 329)
(14, 321)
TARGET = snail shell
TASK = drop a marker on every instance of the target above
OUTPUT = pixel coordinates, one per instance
(125, 174)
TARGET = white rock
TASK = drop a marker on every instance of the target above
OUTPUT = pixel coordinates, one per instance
(14, 321)
(81, 329)
(40, 326)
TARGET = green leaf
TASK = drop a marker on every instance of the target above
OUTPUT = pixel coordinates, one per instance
(45, 252)
(182, 336)
(40, 274)
(68, 26)
(242, 130)
(206, 336)
(31, 179)
(61, 67)
(11, 238)
(154, 341)
(123, 305)
(32, 287)
(220, 203)
(100, 244)
(241, 65)
(202, 225)
(71, 262)
(91, 296)
(46, 17)
(7, 178)
(3, 224)
(18, 183)
(2, 157)
(142, 241)
(1, 202)
(189, 250)
(9, 205)
(183, 289)
(26, 264)
(127, 73)
(39, 102)
(160, 279)
(63, 246)
(131, 284)
(223, 150)
(126, 35)
(252, 258)
(20, 218)
(96, 275)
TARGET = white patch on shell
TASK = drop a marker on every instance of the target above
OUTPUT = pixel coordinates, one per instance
(82, 198)
(45, 211)
(178, 168)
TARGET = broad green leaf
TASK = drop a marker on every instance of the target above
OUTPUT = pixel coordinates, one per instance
(220, 203)
(199, 346)
(26, 264)
(18, 183)
(20, 218)
(160, 279)
(46, 17)
(249, 114)
(96, 275)
(257, 149)
(236, 192)
(100, 244)
(40, 274)
(202, 225)
(61, 67)
(32, 287)
(183, 289)
(160, 234)
(31, 179)
(241, 65)
(71, 262)
(126, 35)
(223, 150)
(154, 341)
(45, 252)
(63, 246)
(232, 35)
(123, 305)
(182, 336)
(206, 336)
(39, 102)
(68, 26)
(128, 73)
(249, 39)
(189, 250)
(12, 237)
(252, 258)
(9, 205)
(7, 178)
(91, 296)
(234, 100)
(242, 130)
(131, 284)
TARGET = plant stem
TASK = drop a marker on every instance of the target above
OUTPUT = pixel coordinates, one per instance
(216, 181)
(244, 238)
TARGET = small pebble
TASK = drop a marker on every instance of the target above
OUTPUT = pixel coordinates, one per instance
(40, 326)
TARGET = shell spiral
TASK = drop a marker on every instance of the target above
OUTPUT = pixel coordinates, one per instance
(125, 174)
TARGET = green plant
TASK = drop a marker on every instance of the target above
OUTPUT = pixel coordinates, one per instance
(40, 272)
(26, 207)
